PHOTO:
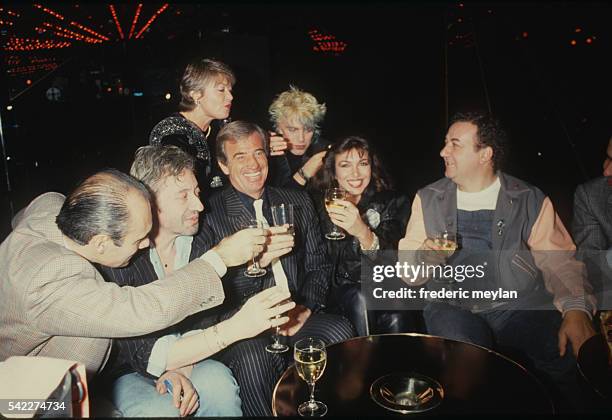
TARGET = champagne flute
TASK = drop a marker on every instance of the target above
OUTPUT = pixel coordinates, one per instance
(310, 359)
(282, 214)
(331, 195)
(254, 270)
(448, 242)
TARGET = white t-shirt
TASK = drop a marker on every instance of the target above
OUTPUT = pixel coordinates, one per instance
(481, 200)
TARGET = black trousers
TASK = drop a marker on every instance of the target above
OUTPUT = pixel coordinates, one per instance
(349, 301)
(257, 371)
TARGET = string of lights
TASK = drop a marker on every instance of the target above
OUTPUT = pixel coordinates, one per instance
(49, 11)
(67, 33)
(150, 21)
(114, 14)
(90, 31)
(326, 43)
(29, 44)
(136, 16)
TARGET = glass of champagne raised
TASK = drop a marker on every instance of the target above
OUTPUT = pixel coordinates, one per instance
(331, 195)
(310, 359)
(282, 214)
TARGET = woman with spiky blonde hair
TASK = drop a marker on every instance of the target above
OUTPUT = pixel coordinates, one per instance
(296, 146)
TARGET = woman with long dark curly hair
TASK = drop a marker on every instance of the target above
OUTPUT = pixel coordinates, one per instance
(374, 217)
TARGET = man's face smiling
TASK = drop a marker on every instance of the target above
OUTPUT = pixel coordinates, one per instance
(247, 164)
(461, 157)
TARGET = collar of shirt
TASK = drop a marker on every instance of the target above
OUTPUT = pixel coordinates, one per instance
(248, 201)
(182, 245)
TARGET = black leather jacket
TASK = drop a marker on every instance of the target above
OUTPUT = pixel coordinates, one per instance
(385, 212)
(281, 173)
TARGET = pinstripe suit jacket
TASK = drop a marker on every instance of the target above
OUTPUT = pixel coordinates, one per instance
(592, 226)
(132, 353)
(54, 303)
(307, 266)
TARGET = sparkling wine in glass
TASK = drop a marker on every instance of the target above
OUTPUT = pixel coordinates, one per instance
(447, 241)
(282, 215)
(310, 359)
(254, 270)
(331, 195)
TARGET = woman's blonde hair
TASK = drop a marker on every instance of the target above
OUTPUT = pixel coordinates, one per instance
(197, 75)
(297, 103)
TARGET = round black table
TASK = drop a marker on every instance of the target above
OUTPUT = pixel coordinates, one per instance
(594, 366)
(474, 379)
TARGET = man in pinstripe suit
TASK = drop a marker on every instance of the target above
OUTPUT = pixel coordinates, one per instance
(180, 354)
(242, 155)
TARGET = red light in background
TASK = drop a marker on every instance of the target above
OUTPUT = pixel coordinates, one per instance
(136, 15)
(578, 30)
(114, 13)
(573, 42)
(589, 41)
(525, 34)
(28, 82)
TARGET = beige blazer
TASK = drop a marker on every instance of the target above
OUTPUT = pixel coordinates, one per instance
(54, 302)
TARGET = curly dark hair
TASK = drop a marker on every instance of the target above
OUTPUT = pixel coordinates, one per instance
(326, 176)
(490, 133)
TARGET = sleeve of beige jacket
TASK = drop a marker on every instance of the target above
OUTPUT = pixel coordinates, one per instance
(413, 239)
(554, 254)
(67, 296)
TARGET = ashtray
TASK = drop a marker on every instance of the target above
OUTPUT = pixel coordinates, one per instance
(407, 392)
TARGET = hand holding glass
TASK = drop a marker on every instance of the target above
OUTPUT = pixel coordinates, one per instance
(282, 215)
(447, 241)
(310, 360)
(331, 195)
(254, 270)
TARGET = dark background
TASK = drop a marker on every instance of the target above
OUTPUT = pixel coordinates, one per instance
(404, 69)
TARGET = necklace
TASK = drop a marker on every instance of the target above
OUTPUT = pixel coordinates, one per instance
(208, 132)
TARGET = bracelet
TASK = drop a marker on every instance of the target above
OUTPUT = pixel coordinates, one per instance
(374, 246)
(302, 174)
(222, 344)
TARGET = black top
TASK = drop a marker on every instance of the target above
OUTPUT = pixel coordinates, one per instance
(385, 212)
(283, 167)
(179, 131)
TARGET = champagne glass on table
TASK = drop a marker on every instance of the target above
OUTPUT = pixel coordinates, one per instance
(254, 270)
(331, 195)
(282, 215)
(310, 359)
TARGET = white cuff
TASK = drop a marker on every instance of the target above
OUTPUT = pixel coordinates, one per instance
(212, 258)
(159, 354)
